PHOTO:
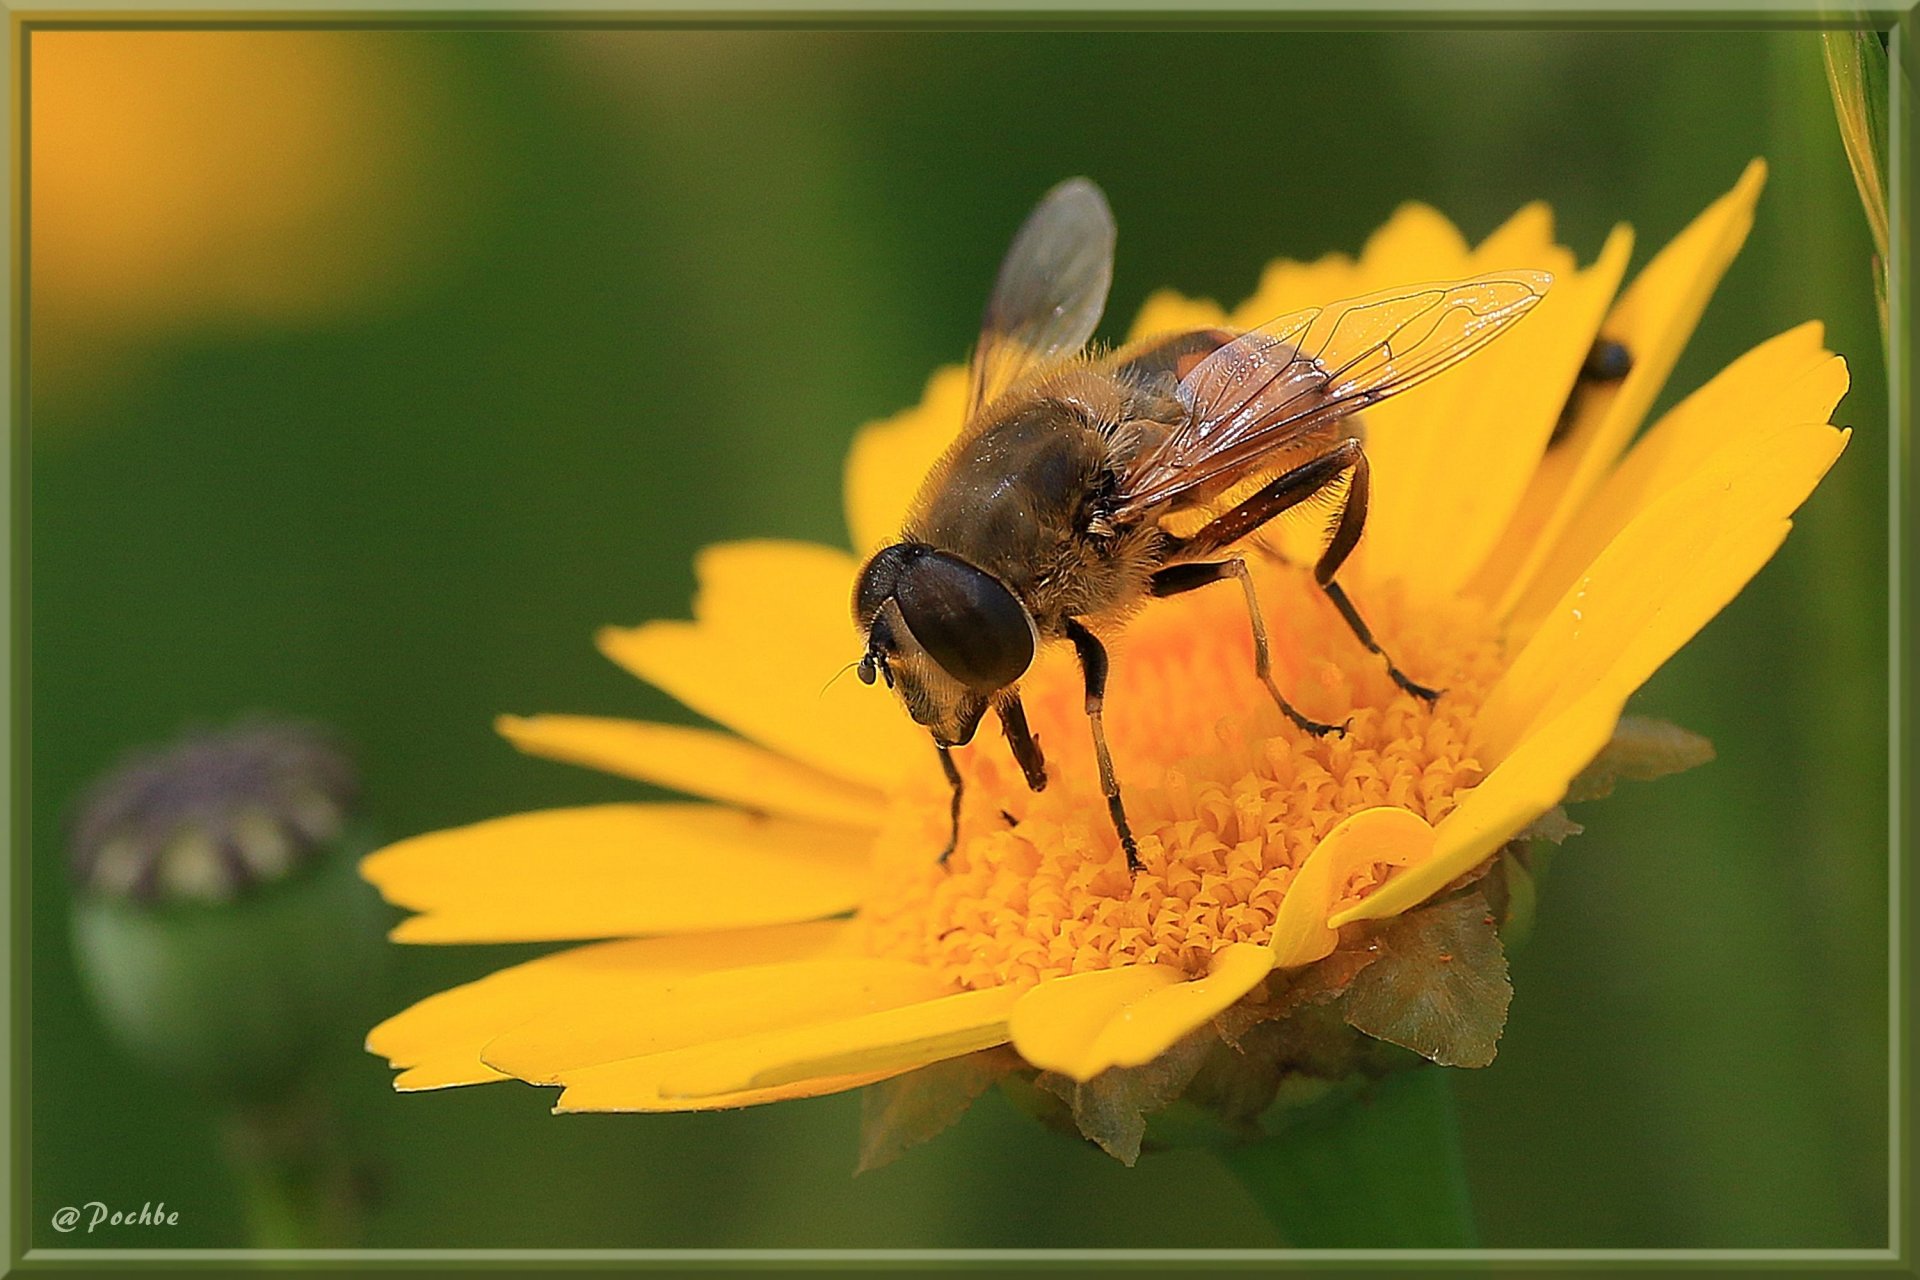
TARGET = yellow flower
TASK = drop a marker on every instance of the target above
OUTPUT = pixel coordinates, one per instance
(792, 934)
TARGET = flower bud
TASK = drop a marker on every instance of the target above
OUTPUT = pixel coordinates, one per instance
(218, 923)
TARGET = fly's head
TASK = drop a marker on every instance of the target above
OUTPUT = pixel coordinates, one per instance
(944, 634)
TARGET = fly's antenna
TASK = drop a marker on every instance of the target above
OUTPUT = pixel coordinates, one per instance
(831, 680)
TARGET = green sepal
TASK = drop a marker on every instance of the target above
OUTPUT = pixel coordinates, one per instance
(1641, 750)
(899, 1114)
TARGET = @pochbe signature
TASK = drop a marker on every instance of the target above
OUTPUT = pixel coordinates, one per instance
(93, 1214)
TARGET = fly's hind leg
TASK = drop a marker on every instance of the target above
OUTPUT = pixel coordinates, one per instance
(1093, 662)
(1289, 490)
(1179, 578)
(1346, 533)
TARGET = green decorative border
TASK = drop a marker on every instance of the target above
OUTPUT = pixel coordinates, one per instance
(16, 755)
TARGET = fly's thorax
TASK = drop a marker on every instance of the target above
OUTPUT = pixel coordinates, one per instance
(1027, 492)
(1027, 479)
(1008, 495)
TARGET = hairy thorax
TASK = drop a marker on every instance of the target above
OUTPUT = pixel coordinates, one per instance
(1028, 495)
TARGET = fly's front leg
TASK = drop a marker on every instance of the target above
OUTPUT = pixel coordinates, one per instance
(1022, 742)
(1093, 662)
(1179, 578)
(959, 788)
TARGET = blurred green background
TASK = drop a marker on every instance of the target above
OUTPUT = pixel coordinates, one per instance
(373, 371)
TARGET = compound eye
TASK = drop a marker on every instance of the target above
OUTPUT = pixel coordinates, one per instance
(877, 579)
(966, 620)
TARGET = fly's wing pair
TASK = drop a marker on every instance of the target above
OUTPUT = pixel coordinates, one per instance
(1282, 383)
(1253, 396)
(1050, 292)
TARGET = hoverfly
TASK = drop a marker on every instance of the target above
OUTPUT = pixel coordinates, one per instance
(1044, 519)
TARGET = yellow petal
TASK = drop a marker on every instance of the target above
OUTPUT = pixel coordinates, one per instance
(701, 762)
(1676, 565)
(1287, 287)
(609, 1024)
(1396, 837)
(1654, 319)
(1789, 379)
(890, 458)
(1166, 311)
(618, 870)
(902, 1039)
(444, 1074)
(439, 1039)
(772, 631)
(1418, 244)
(1520, 241)
(633, 1084)
(1055, 1025)
(1154, 1023)
(1661, 579)
(1458, 453)
(1087, 1023)
(1525, 785)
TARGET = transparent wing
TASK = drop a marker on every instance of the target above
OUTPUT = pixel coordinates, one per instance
(1051, 289)
(1280, 383)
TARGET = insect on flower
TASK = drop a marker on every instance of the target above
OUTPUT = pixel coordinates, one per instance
(1048, 517)
(783, 933)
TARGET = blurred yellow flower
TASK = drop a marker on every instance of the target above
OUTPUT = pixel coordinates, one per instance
(792, 935)
(187, 178)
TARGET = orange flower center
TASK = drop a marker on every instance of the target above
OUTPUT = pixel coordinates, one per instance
(1226, 797)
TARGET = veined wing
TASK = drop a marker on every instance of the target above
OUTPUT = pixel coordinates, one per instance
(1051, 289)
(1277, 384)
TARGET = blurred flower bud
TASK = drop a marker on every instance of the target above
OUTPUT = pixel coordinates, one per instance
(218, 922)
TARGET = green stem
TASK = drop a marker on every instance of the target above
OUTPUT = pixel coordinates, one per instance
(296, 1182)
(275, 1217)
(1380, 1169)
